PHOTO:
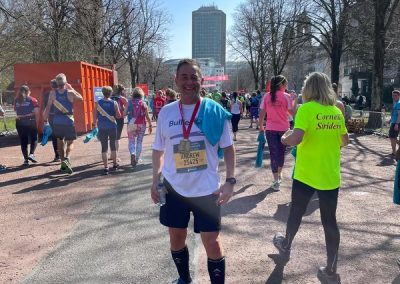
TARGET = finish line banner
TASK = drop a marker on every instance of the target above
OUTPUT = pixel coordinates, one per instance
(217, 78)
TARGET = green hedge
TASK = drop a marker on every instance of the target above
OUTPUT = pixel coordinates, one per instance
(9, 123)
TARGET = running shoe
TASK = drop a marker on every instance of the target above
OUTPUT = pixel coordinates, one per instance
(115, 167)
(251, 126)
(56, 159)
(64, 166)
(284, 253)
(133, 160)
(3, 168)
(326, 278)
(32, 158)
(276, 185)
(26, 163)
(106, 171)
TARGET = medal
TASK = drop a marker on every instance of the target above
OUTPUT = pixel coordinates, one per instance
(184, 145)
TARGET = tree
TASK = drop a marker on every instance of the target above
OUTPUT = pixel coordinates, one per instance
(281, 23)
(384, 13)
(53, 18)
(263, 35)
(330, 22)
(143, 29)
(101, 23)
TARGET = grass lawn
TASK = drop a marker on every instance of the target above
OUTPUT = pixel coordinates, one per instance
(10, 124)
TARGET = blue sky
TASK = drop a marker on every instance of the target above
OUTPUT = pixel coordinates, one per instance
(180, 29)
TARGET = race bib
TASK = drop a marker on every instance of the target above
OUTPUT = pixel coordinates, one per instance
(193, 161)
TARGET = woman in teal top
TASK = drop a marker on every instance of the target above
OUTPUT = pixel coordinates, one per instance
(319, 133)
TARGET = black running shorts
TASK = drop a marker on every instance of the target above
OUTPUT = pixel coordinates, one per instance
(66, 132)
(120, 126)
(176, 212)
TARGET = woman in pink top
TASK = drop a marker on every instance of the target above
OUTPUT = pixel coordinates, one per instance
(276, 105)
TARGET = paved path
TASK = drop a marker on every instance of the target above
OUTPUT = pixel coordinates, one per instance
(118, 241)
(117, 237)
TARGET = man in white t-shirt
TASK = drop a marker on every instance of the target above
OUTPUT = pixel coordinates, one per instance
(189, 164)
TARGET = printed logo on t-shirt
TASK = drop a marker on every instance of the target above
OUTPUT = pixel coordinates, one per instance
(328, 121)
(193, 161)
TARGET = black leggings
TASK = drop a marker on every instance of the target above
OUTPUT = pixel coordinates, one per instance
(235, 122)
(301, 195)
(106, 135)
(27, 131)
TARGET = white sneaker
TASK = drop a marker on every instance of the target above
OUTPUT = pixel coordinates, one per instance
(276, 185)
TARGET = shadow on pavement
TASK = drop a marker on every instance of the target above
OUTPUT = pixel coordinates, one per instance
(276, 276)
(59, 179)
(387, 161)
(245, 204)
(282, 212)
(396, 280)
(243, 189)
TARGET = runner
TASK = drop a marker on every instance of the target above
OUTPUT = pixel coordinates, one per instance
(137, 115)
(236, 111)
(242, 99)
(254, 103)
(193, 183)
(394, 121)
(171, 95)
(2, 113)
(151, 104)
(105, 115)
(119, 97)
(216, 96)
(276, 105)
(226, 104)
(159, 102)
(53, 85)
(27, 109)
(319, 133)
(63, 122)
(339, 103)
(203, 93)
(291, 117)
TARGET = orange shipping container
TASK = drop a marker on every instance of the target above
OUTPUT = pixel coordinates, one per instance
(83, 77)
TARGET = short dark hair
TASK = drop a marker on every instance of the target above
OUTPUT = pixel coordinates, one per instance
(191, 62)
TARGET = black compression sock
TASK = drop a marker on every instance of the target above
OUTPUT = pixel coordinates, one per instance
(181, 259)
(216, 270)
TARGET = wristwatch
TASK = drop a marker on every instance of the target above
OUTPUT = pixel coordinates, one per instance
(231, 180)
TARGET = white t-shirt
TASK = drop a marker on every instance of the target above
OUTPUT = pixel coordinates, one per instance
(235, 107)
(190, 175)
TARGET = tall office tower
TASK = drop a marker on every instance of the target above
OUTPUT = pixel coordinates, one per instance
(209, 34)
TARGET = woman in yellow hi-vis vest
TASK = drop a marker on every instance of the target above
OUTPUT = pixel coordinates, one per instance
(319, 133)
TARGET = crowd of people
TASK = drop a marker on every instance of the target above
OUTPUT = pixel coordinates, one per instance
(194, 130)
